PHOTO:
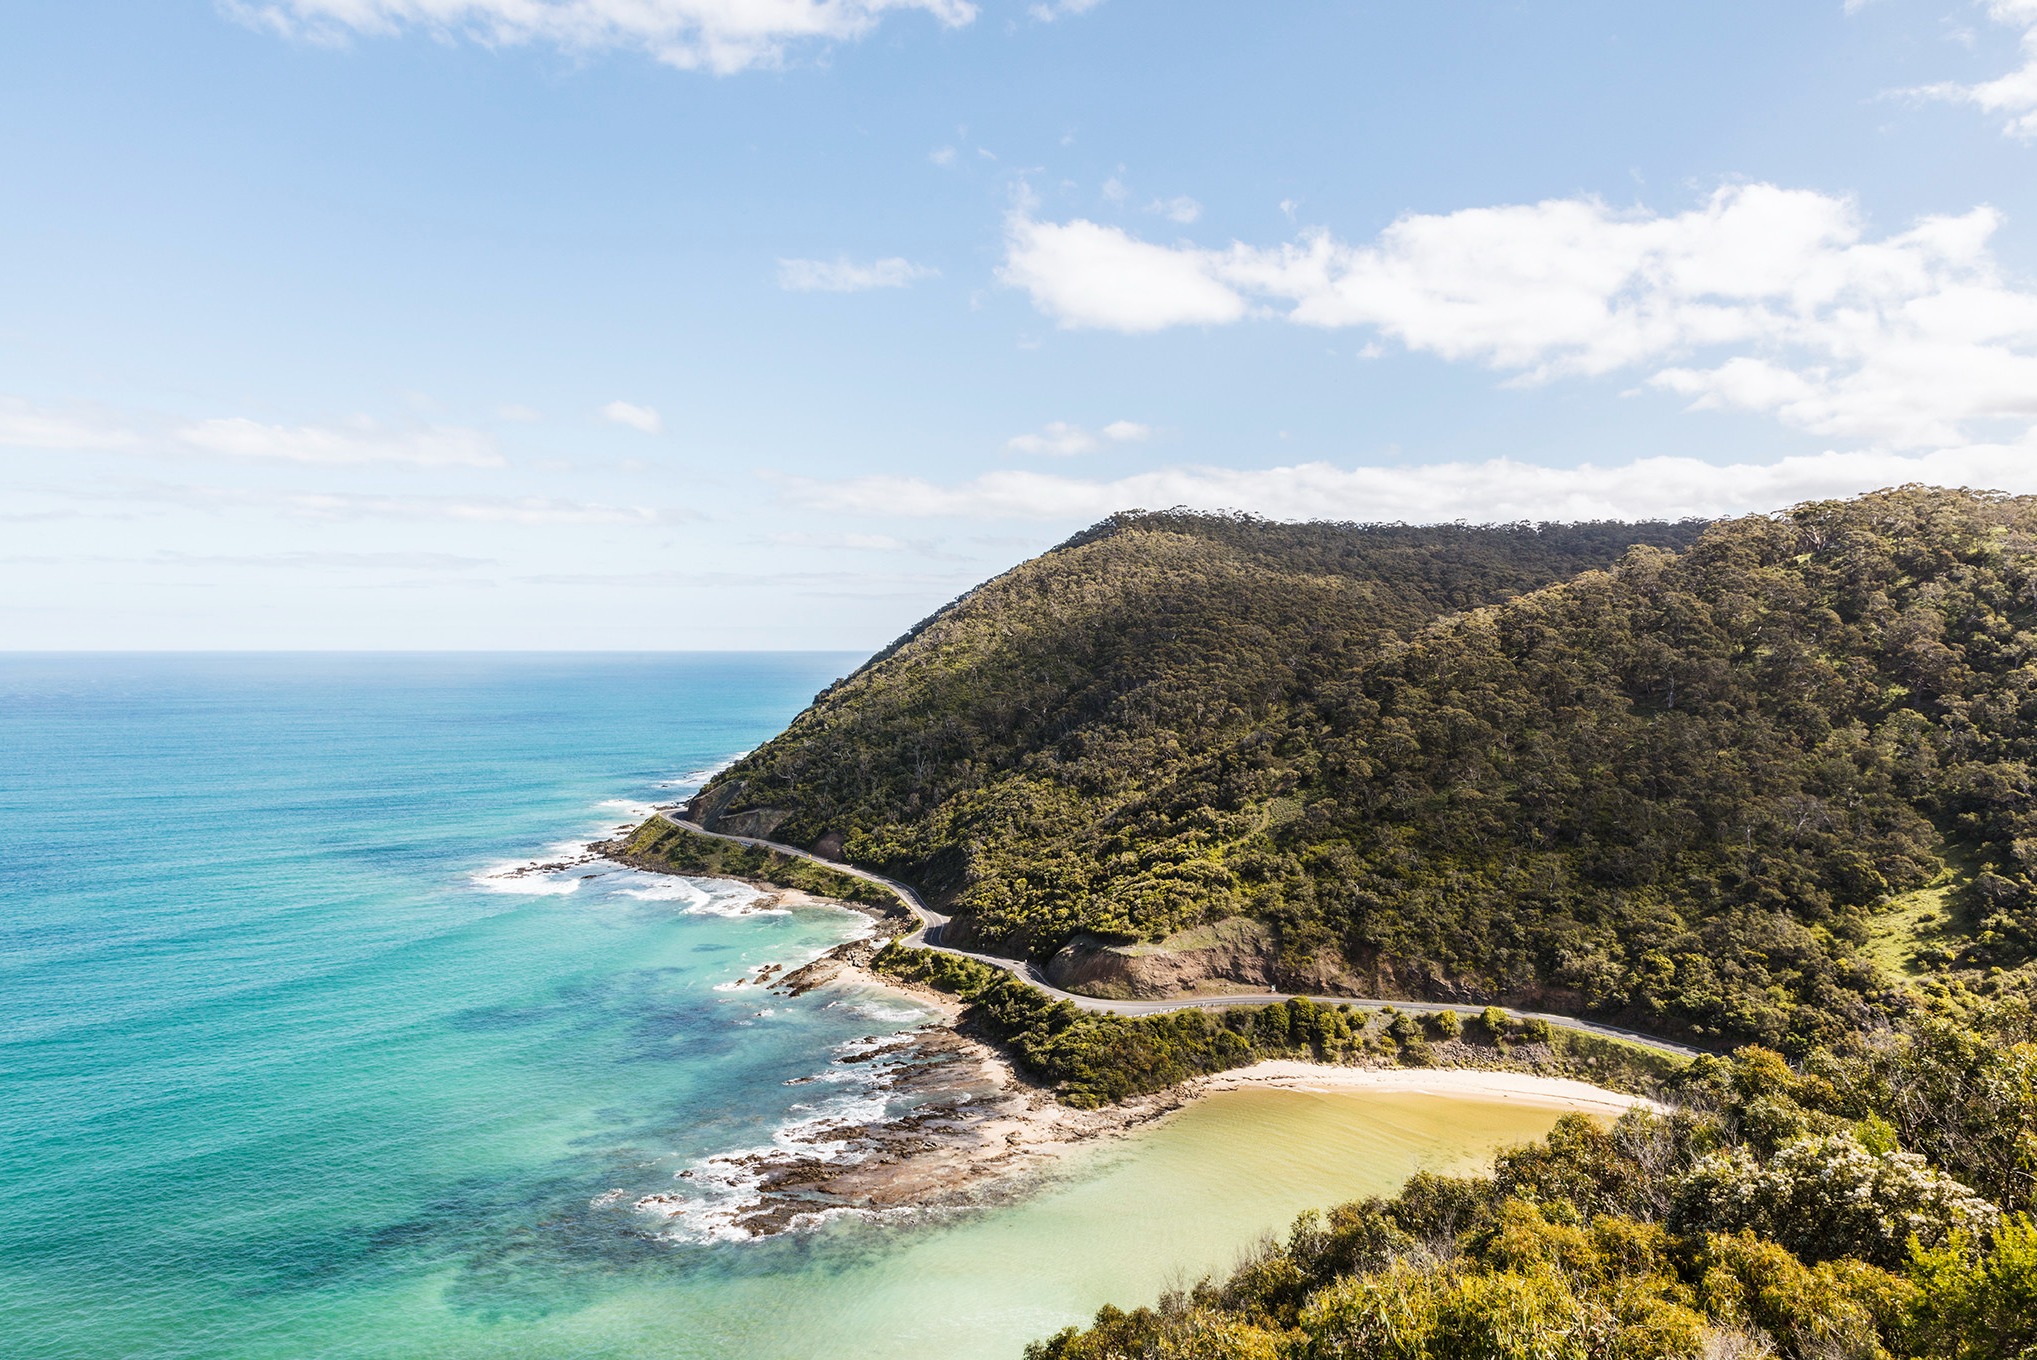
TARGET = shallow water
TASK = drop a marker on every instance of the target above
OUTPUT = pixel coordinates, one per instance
(294, 1062)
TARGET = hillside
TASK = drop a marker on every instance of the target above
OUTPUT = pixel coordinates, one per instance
(1684, 778)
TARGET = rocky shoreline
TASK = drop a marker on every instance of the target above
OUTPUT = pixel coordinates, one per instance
(963, 1125)
(966, 1127)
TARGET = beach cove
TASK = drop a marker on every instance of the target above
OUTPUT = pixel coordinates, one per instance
(392, 1111)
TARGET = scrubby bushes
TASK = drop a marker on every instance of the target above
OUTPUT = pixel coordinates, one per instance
(1826, 1196)
(1772, 1215)
(1093, 1058)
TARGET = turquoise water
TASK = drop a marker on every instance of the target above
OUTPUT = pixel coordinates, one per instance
(300, 1055)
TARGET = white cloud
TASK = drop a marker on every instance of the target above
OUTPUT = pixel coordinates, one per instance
(1047, 13)
(363, 441)
(336, 505)
(847, 276)
(1180, 208)
(1497, 491)
(643, 419)
(1059, 439)
(942, 155)
(521, 414)
(851, 542)
(1763, 298)
(31, 427)
(323, 561)
(716, 35)
(1086, 275)
(2015, 93)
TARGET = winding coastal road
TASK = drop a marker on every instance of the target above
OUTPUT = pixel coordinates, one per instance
(931, 924)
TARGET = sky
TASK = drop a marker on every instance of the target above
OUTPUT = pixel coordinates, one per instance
(700, 324)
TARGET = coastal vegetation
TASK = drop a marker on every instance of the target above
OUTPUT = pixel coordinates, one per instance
(1691, 781)
(1094, 1058)
(669, 848)
(1874, 1202)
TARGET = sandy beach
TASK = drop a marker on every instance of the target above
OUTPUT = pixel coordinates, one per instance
(971, 1128)
(1523, 1088)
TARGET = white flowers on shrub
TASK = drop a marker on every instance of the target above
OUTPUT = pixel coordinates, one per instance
(1827, 1196)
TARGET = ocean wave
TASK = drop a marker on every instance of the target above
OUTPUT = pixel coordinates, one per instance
(663, 889)
(696, 778)
(698, 896)
(738, 899)
(545, 875)
(637, 812)
(524, 887)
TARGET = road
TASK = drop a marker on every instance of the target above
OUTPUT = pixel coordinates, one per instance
(931, 923)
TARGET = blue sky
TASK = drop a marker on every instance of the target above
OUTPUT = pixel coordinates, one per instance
(777, 323)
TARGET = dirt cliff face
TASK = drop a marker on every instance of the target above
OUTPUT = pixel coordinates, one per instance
(705, 809)
(1237, 955)
(1230, 955)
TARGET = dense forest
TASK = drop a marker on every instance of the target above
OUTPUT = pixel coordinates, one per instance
(1730, 782)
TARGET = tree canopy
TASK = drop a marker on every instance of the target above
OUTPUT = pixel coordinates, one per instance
(1670, 774)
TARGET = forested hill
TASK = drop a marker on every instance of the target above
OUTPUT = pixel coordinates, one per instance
(1042, 704)
(1682, 778)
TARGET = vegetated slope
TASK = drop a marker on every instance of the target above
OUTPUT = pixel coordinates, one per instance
(1682, 788)
(1675, 791)
(1026, 713)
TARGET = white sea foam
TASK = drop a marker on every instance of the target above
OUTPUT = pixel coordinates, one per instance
(735, 899)
(727, 1187)
(893, 1014)
(657, 889)
(523, 880)
(554, 873)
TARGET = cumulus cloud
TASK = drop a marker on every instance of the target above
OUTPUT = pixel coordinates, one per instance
(1763, 298)
(363, 441)
(1499, 490)
(1059, 439)
(848, 276)
(1180, 208)
(1084, 274)
(643, 419)
(722, 36)
(2013, 94)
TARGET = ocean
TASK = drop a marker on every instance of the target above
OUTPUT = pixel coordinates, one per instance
(316, 1041)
